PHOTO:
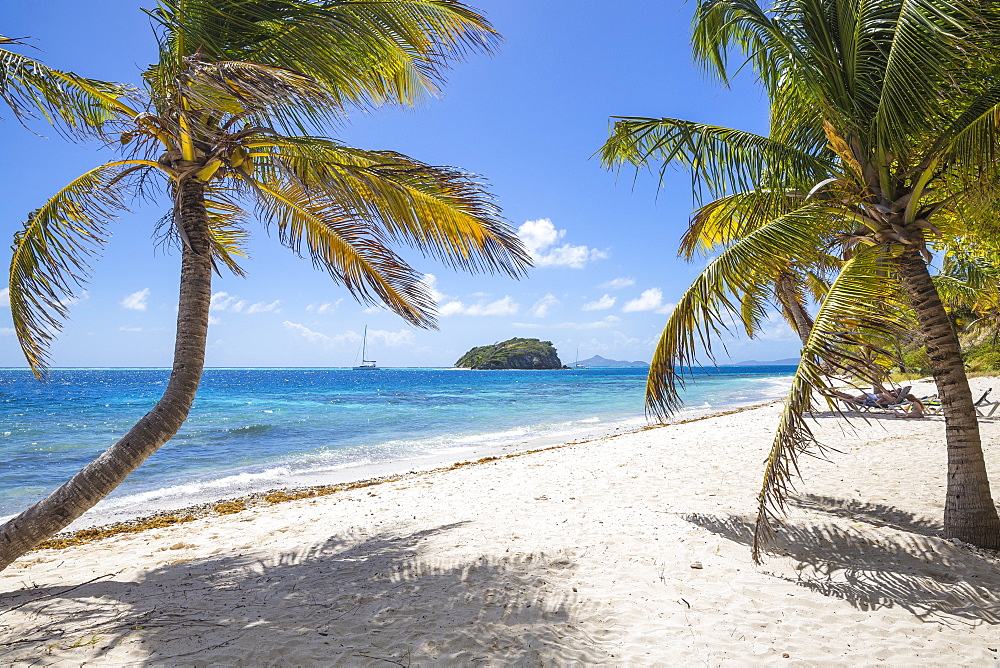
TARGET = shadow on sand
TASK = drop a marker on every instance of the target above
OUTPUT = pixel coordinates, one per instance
(915, 571)
(351, 600)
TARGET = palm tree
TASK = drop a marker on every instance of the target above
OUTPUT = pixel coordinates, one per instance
(884, 124)
(222, 123)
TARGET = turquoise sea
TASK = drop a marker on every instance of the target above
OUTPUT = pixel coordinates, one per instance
(259, 429)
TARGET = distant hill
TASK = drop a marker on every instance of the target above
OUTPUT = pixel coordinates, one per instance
(788, 361)
(597, 360)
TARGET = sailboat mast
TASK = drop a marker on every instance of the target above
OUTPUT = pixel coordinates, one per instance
(364, 345)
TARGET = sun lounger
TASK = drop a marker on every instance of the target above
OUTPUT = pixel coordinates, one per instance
(984, 408)
(871, 403)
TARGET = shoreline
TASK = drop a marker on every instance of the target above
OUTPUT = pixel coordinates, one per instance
(172, 497)
(625, 550)
(268, 498)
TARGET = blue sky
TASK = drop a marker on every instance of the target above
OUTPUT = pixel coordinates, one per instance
(529, 120)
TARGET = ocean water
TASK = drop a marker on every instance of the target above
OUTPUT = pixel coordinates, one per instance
(258, 429)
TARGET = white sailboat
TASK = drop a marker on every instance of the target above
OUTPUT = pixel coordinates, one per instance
(366, 365)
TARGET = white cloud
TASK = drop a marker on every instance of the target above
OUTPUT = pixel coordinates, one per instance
(602, 304)
(451, 308)
(223, 301)
(540, 237)
(212, 320)
(617, 284)
(403, 337)
(130, 329)
(505, 306)
(649, 300)
(137, 300)
(306, 333)
(261, 307)
(325, 307)
(540, 309)
(608, 321)
(5, 297)
(7, 331)
(430, 284)
(447, 305)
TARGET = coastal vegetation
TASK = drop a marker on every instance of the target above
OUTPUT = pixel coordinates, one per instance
(512, 354)
(881, 151)
(225, 125)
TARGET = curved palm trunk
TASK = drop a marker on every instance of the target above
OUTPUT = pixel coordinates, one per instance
(969, 513)
(96, 480)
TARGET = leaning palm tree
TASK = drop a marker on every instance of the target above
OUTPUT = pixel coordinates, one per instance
(222, 126)
(884, 113)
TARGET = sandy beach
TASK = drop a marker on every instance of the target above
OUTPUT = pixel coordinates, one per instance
(627, 550)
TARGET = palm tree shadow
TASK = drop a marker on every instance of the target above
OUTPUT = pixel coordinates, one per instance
(876, 514)
(351, 600)
(926, 576)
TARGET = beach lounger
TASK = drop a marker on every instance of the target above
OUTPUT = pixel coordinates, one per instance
(872, 404)
(984, 408)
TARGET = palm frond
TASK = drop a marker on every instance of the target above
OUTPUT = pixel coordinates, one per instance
(442, 212)
(347, 248)
(260, 94)
(925, 47)
(728, 218)
(227, 229)
(52, 252)
(76, 105)
(701, 313)
(721, 27)
(862, 315)
(721, 160)
(362, 52)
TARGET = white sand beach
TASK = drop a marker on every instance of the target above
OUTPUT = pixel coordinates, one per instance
(628, 550)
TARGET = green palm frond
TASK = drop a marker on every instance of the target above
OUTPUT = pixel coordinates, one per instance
(701, 313)
(816, 283)
(440, 211)
(347, 248)
(974, 139)
(728, 218)
(52, 252)
(969, 278)
(362, 52)
(863, 315)
(76, 105)
(755, 303)
(929, 42)
(227, 227)
(721, 160)
(256, 95)
(721, 27)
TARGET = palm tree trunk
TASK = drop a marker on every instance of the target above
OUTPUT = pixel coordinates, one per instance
(969, 513)
(99, 478)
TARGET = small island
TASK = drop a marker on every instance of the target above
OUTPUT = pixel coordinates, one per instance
(512, 354)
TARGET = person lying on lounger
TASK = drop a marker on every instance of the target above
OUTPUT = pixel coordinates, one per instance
(884, 399)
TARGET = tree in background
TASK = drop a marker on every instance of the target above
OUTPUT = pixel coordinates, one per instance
(223, 124)
(884, 119)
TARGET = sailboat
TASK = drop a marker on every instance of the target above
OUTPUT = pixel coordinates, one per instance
(576, 364)
(366, 365)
